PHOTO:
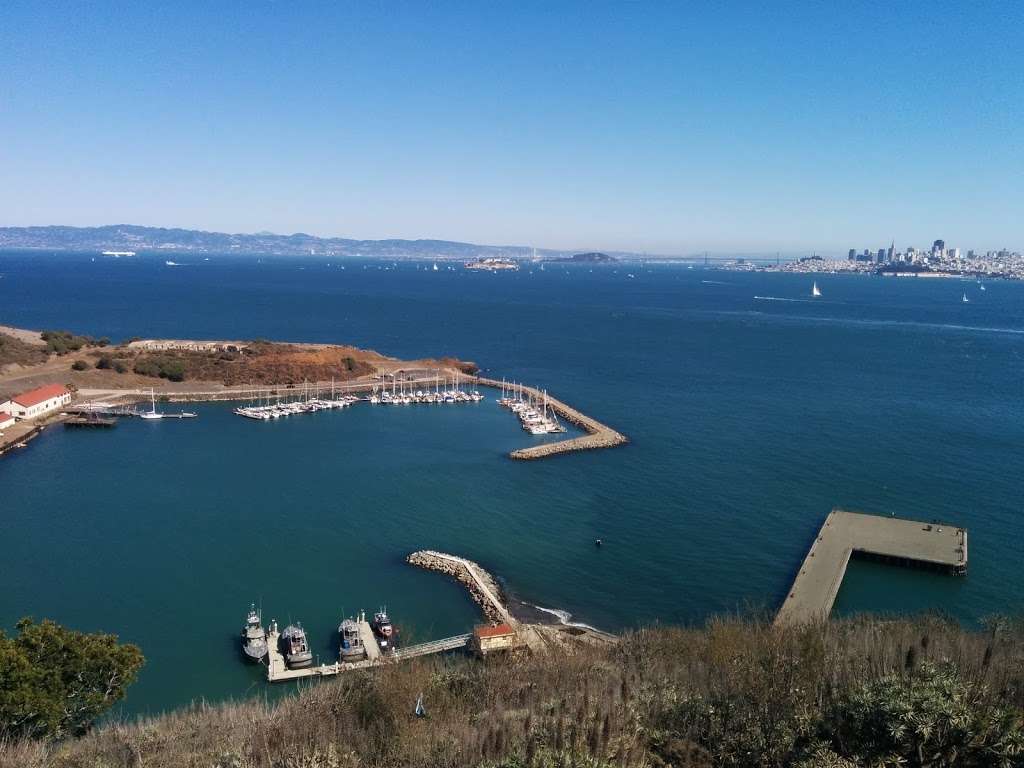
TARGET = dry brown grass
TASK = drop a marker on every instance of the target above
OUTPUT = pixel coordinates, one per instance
(608, 704)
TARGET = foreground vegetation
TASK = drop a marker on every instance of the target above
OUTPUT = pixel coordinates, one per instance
(736, 693)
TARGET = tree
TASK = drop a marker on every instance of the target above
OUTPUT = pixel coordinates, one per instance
(55, 682)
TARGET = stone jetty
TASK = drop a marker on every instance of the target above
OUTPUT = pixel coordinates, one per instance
(598, 435)
(481, 585)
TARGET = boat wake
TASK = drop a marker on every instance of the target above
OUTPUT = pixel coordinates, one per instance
(780, 298)
(715, 282)
(564, 618)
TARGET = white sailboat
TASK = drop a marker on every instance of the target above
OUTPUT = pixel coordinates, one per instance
(965, 300)
(435, 266)
(814, 290)
(152, 413)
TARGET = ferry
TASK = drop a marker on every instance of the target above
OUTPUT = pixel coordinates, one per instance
(117, 254)
(254, 636)
(294, 647)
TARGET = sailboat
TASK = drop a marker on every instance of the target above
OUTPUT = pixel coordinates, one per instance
(981, 286)
(152, 413)
(435, 266)
(814, 290)
(965, 300)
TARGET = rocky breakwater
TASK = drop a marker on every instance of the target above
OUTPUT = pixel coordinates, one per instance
(481, 585)
(598, 435)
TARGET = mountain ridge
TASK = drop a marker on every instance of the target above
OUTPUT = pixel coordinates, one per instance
(174, 239)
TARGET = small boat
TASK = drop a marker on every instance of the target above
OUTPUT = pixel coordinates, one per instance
(965, 300)
(254, 637)
(981, 286)
(294, 647)
(814, 290)
(435, 267)
(351, 643)
(382, 628)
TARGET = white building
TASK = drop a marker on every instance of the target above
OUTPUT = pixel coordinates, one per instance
(37, 402)
(6, 420)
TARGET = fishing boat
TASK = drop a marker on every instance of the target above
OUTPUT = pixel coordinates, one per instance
(351, 643)
(294, 647)
(814, 290)
(254, 636)
(382, 628)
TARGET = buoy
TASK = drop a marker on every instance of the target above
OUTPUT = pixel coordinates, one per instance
(597, 542)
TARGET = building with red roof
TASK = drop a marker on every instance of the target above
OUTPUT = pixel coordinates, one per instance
(500, 637)
(37, 402)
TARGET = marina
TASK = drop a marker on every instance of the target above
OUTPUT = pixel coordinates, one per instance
(848, 535)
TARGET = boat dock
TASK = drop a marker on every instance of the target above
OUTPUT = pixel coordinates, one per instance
(598, 435)
(846, 535)
(278, 671)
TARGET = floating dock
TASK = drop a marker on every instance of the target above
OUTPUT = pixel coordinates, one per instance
(845, 535)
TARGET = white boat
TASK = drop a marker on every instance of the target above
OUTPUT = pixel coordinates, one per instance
(435, 267)
(814, 290)
(152, 413)
(981, 286)
(965, 300)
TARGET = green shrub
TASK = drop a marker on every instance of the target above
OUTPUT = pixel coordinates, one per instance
(104, 363)
(932, 717)
(79, 365)
(55, 682)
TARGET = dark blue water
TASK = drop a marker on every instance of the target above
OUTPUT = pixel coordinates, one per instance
(749, 417)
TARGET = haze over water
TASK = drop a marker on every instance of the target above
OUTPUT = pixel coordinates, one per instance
(749, 418)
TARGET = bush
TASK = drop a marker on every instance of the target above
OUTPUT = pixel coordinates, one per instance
(79, 365)
(62, 342)
(120, 367)
(161, 367)
(104, 363)
(55, 682)
(931, 717)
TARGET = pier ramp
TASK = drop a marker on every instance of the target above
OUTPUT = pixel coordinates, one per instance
(844, 535)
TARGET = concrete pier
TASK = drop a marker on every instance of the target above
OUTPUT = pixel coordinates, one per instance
(598, 435)
(845, 535)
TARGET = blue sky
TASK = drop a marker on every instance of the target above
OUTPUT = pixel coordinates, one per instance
(669, 128)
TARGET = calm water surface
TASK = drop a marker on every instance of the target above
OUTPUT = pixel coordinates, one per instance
(752, 411)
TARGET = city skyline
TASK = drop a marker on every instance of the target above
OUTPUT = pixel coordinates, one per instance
(648, 129)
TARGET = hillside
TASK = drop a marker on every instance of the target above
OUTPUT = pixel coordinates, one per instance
(735, 693)
(135, 238)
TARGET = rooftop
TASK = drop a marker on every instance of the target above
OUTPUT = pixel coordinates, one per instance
(39, 395)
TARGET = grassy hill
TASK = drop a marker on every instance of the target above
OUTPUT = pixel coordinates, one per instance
(737, 692)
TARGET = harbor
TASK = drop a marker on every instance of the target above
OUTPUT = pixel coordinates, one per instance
(539, 413)
(848, 535)
(364, 644)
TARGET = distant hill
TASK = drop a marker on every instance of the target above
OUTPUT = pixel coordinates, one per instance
(586, 258)
(142, 239)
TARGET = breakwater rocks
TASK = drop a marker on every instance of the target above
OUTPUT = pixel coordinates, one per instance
(481, 585)
(598, 435)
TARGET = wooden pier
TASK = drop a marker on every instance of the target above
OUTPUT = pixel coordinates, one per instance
(846, 535)
(598, 435)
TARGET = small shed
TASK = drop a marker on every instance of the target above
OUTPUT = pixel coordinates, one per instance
(500, 637)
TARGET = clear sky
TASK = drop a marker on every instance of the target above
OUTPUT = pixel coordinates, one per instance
(669, 128)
